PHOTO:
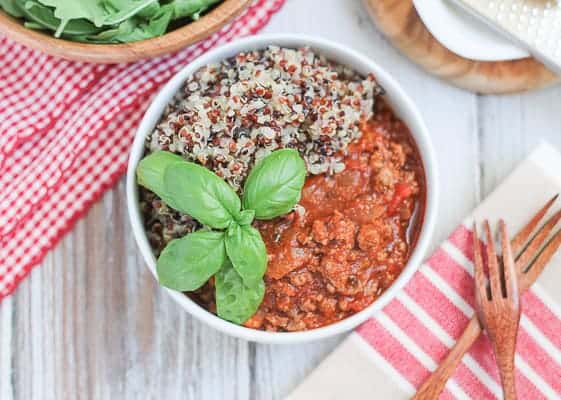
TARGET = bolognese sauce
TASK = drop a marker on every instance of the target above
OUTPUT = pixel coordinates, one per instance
(350, 236)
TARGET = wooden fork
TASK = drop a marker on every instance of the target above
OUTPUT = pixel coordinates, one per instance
(498, 303)
(532, 254)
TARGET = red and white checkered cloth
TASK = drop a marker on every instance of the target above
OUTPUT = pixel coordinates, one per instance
(65, 132)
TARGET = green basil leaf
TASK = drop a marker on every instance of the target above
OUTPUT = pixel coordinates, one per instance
(246, 217)
(186, 264)
(275, 184)
(247, 252)
(200, 193)
(235, 301)
(150, 173)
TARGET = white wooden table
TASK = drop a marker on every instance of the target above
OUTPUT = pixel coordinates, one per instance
(91, 323)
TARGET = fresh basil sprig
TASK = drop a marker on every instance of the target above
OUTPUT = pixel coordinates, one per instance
(236, 254)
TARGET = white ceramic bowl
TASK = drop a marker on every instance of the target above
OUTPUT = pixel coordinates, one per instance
(402, 105)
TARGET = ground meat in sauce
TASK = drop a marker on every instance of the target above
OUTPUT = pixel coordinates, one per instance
(350, 238)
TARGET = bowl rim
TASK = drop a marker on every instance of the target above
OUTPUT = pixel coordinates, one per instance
(395, 94)
(170, 42)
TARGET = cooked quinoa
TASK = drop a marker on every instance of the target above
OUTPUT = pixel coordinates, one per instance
(230, 115)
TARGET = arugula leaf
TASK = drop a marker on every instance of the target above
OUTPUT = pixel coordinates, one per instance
(247, 252)
(156, 26)
(11, 7)
(191, 8)
(33, 25)
(66, 10)
(105, 21)
(275, 184)
(150, 174)
(125, 9)
(45, 17)
(95, 11)
(198, 192)
(110, 35)
(187, 263)
(148, 12)
(235, 301)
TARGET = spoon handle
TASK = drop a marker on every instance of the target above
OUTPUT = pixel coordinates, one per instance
(435, 384)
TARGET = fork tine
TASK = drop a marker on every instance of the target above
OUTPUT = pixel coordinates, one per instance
(522, 237)
(509, 268)
(480, 286)
(540, 262)
(537, 242)
(492, 262)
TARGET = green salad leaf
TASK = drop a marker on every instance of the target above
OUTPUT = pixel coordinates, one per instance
(11, 7)
(44, 17)
(186, 264)
(122, 10)
(236, 302)
(274, 185)
(149, 11)
(33, 25)
(111, 35)
(156, 26)
(68, 10)
(105, 21)
(191, 8)
(247, 252)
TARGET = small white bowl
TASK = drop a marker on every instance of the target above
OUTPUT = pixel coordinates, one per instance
(401, 104)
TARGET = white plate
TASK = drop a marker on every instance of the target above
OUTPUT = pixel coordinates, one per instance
(463, 34)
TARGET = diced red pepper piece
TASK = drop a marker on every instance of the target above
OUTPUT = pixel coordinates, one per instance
(402, 191)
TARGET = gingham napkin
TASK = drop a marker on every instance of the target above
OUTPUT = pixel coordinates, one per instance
(394, 352)
(65, 132)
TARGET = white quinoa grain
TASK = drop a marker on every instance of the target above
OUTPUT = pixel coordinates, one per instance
(230, 115)
(262, 101)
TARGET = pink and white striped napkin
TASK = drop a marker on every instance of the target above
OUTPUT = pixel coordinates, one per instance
(395, 351)
(65, 135)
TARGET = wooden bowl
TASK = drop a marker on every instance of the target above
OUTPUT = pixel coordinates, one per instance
(116, 53)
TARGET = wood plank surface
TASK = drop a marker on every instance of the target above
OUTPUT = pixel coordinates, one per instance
(91, 323)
